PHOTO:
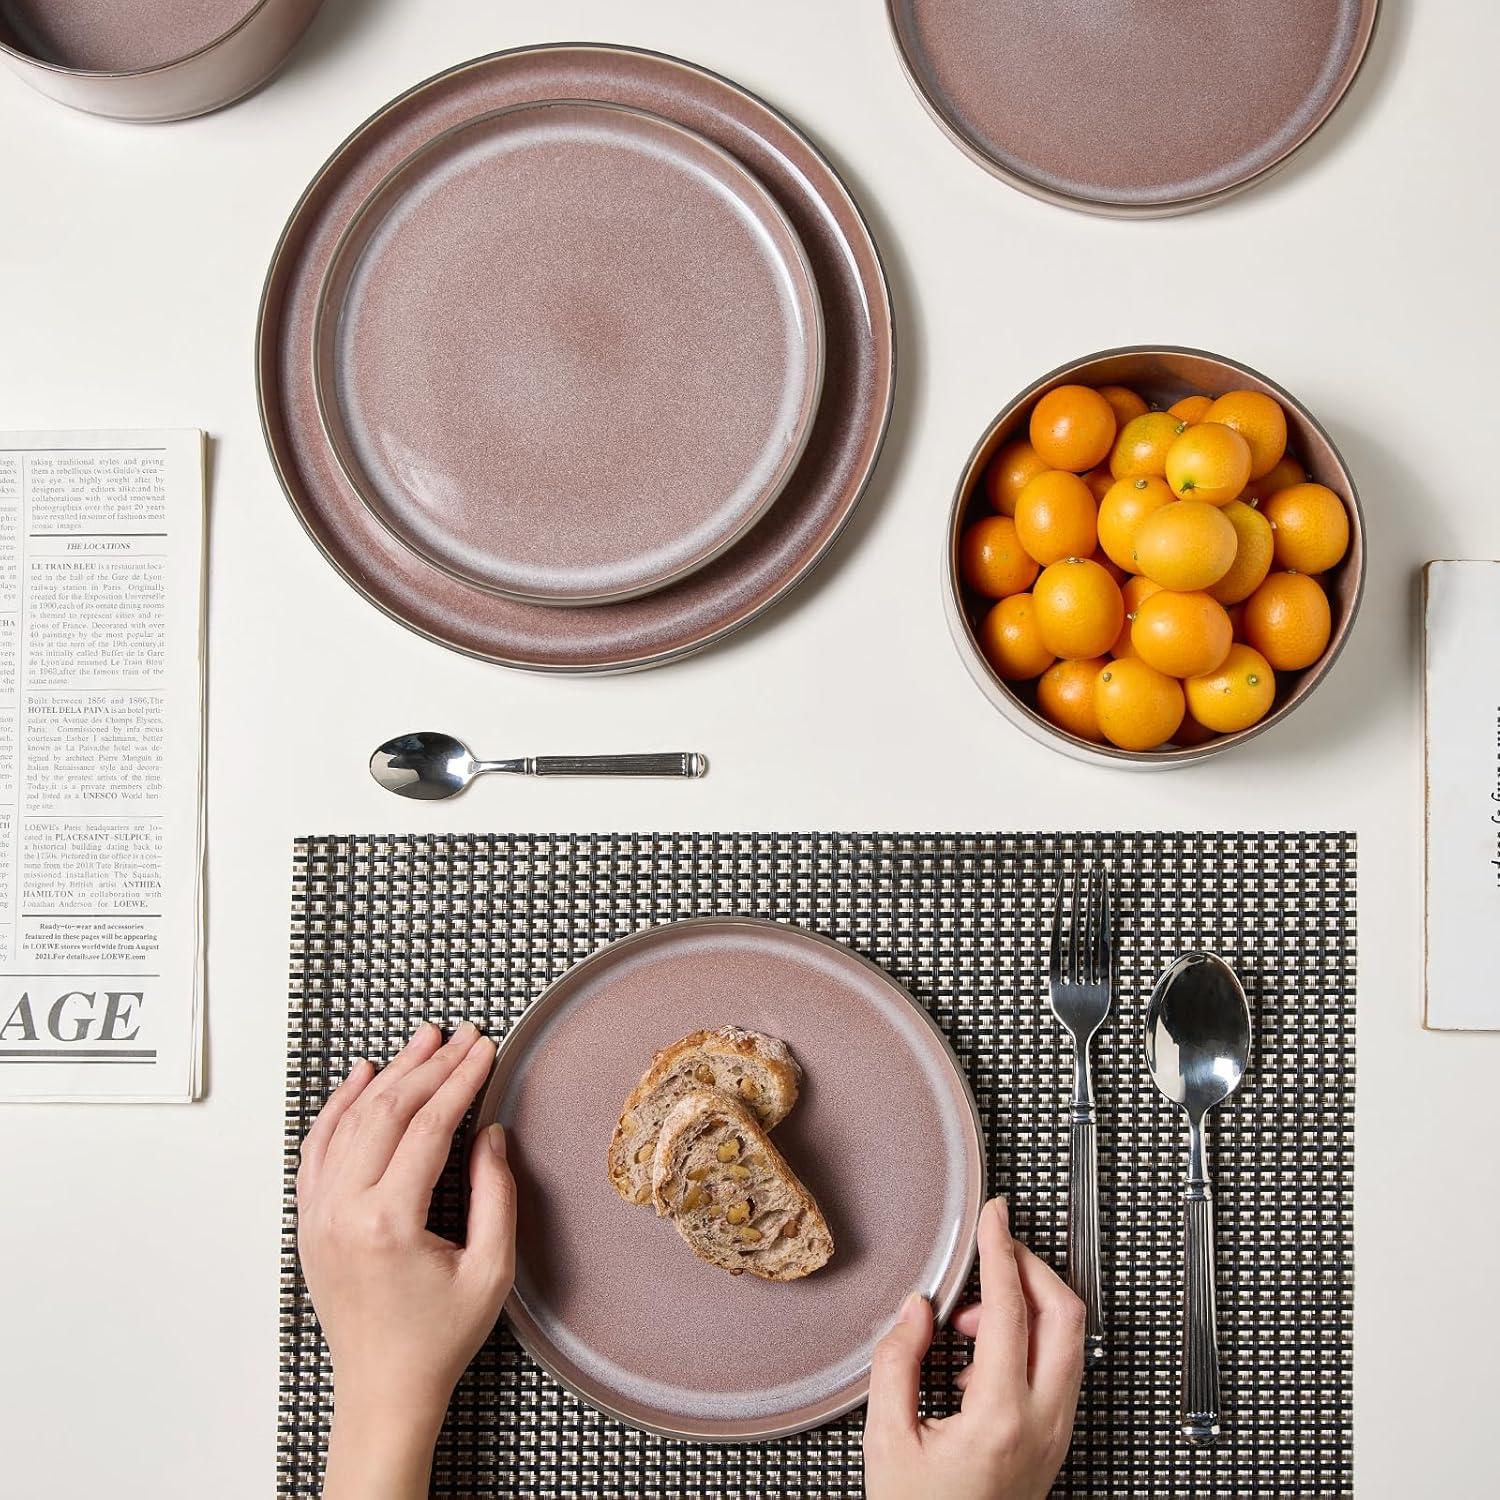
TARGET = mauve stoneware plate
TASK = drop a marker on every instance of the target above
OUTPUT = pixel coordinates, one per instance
(715, 600)
(569, 352)
(885, 1134)
(1131, 107)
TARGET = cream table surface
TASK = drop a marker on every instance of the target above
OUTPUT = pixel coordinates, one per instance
(138, 1244)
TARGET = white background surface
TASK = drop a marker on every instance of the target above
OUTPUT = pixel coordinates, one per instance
(138, 1245)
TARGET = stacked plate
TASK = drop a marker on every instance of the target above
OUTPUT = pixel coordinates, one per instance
(575, 358)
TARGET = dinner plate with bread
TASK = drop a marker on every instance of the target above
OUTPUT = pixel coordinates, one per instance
(738, 1146)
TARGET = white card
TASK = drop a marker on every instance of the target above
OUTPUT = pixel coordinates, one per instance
(1462, 674)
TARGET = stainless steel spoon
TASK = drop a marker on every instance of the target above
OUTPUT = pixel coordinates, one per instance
(1197, 1047)
(432, 766)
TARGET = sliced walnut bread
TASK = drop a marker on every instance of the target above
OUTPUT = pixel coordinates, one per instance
(732, 1196)
(758, 1070)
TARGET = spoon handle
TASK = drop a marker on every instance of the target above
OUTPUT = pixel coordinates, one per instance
(1200, 1339)
(677, 763)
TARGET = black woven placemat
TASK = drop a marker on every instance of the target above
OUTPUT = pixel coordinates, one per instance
(389, 931)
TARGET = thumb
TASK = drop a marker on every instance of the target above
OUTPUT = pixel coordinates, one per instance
(896, 1369)
(491, 1243)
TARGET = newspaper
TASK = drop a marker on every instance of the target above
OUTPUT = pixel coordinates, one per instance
(101, 765)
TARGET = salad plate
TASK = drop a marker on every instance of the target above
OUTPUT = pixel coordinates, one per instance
(569, 351)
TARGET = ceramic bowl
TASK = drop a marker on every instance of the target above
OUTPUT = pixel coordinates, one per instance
(149, 60)
(1162, 375)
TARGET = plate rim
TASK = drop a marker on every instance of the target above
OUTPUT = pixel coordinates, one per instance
(1160, 208)
(857, 489)
(962, 1262)
(754, 190)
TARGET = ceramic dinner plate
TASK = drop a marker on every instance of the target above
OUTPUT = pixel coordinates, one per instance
(1131, 107)
(885, 1134)
(774, 555)
(569, 351)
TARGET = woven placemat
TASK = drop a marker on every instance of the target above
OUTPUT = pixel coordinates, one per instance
(389, 931)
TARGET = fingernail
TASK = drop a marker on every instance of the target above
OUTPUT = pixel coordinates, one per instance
(423, 1029)
(496, 1137)
(1002, 1208)
(466, 1032)
(911, 1309)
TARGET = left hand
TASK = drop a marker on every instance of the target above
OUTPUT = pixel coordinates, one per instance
(403, 1310)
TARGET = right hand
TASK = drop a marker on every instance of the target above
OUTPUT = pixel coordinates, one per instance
(1009, 1439)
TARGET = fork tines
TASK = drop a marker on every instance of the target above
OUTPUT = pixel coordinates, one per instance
(1085, 956)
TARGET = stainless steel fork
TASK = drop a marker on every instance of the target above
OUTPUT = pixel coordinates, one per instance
(1081, 982)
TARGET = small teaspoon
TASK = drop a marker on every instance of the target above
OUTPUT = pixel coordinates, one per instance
(431, 766)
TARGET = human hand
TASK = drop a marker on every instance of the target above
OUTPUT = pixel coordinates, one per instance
(1011, 1435)
(403, 1310)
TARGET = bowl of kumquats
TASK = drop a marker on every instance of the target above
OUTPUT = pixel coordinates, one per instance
(1153, 554)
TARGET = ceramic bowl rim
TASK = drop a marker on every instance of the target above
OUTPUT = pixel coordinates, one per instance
(68, 71)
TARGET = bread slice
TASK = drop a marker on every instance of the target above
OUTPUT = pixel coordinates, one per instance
(732, 1196)
(759, 1070)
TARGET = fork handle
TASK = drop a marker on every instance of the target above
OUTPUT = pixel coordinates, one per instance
(1083, 1232)
(1200, 1341)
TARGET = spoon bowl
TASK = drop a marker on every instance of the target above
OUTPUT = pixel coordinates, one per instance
(426, 766)
(1198, 1033)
